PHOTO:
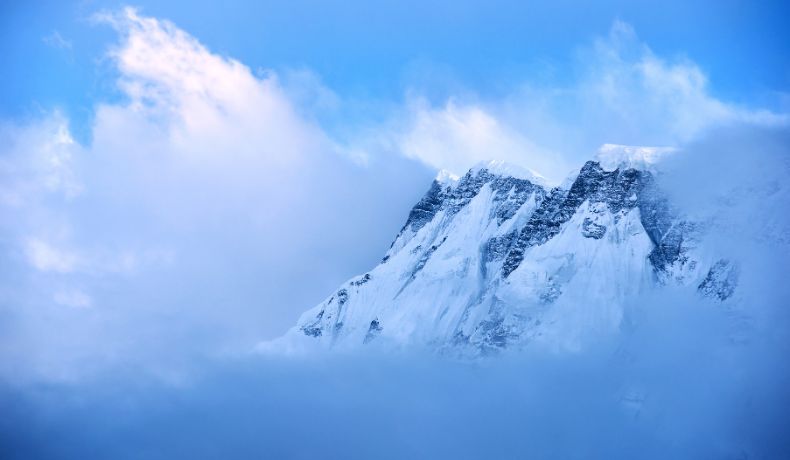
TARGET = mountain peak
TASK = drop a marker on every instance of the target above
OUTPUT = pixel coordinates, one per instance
(493, 260)
(505, 169)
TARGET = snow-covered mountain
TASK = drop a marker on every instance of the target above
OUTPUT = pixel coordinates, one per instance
(496, 259)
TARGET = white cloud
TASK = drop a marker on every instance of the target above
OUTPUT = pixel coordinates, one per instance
(613, 156)
(455, 137)
(210, 105)
(191, 222)
(625, 94)
(650, 99)
(45, 257)
(37, 160)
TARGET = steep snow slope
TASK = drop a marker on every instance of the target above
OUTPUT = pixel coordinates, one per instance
(495, 259)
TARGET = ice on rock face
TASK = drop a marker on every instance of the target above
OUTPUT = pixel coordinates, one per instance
(495, 259)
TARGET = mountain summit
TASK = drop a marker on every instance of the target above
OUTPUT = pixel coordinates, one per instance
(495, 259)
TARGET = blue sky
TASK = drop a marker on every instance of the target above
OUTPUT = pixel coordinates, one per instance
(375, 51)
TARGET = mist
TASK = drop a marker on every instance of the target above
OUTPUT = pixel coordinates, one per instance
(683, 380)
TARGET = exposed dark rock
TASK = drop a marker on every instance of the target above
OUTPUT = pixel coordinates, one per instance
(425, 210)
(497, 247)
(619, 190)
(314, 329)
(673, 247)
(672, 237)
(543, 224)
(510, 194)
(593, 184)
(361, 281)
(373, 331)
(468, 187)
(332, 313)
(721, 280)
(592, 230)
(342, 298)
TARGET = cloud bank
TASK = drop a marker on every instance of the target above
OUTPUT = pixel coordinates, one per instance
(695, 393)
(205, 212)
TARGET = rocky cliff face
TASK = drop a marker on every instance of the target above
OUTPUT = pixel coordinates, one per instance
(494, 260)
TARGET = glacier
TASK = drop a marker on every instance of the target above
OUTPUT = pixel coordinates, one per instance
(497, 259)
